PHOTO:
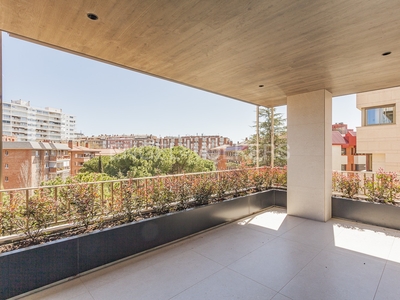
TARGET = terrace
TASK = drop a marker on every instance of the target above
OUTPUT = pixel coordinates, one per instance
(270, 255)
(266, 53)
(232, 250)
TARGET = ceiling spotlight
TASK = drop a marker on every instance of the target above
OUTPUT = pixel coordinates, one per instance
(261, 85)
(386, 53)
(92, 16)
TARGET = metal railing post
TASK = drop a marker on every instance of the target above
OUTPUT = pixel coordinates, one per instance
(102, 196)
(56, 204)
(112, 196)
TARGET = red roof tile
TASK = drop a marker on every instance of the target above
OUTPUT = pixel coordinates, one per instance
(337, 138)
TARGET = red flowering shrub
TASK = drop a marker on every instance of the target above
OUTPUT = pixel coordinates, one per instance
(384, 187)
(202, 190)
(347, 184)
(36, 214)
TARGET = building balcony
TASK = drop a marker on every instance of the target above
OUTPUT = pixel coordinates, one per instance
(82, 159)
(63, 169)
(270, 255)
(55, 158)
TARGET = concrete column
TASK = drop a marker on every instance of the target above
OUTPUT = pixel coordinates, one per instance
(309, 137)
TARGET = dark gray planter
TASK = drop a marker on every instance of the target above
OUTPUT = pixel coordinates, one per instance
(379, 214)
(34, 267)
(280, 197)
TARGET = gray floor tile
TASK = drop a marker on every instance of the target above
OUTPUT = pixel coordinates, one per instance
(267, 256)
(275, 263)
(234, 245)
(226, 284)
(336, 276)
(389, 287)
(163, 280)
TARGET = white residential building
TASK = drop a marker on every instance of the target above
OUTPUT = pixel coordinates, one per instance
(29, 123)
(379, 134)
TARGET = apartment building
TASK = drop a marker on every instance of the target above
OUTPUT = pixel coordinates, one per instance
(29, 123)
(200, 144)
(345, 156)
(379, 134)
(80, 155)
(7, 138)
(227, 157)
(27, 164)
(344, 150)
(105, 141)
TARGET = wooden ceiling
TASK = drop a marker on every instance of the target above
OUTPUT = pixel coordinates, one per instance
(227, 47)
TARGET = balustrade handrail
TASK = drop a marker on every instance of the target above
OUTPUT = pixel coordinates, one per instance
(60, 204)
(162, 176)
(109, 195)
(127, 179)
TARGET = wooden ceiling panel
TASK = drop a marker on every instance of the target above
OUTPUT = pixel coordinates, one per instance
(227, 47)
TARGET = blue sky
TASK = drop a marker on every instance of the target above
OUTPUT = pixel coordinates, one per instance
(112, 100)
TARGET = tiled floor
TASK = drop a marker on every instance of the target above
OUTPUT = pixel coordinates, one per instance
(265, 256)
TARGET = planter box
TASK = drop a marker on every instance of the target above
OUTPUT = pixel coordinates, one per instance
(379, 214)
(280, 197)
(34, 267)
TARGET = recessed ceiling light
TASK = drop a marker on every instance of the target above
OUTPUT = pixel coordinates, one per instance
(261, 85)
(92, 16)
(386, 53)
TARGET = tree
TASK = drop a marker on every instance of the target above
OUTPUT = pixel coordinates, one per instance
(187, 161)
(25, 176)
(153, 161)
(280, 141)
(140, 162)
(95, 165)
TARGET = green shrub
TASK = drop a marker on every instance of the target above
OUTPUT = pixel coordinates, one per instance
(347, 184)
(384, 187)
(37, 214)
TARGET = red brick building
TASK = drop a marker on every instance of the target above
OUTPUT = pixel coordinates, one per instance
(200, 144)
(227, 157)
(27, 164)
(80, 155)
(350, 160)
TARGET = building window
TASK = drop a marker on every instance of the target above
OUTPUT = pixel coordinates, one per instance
(6, 152)
(343, 151)
(380, 115)
(6, 179)
(360, 167)
(343, 167)
(6, 166)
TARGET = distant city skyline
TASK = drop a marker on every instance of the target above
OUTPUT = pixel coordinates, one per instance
(111, 100)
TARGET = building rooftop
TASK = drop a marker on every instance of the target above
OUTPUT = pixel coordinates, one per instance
(86, 149)
(35, 146)
(353, 133)
(337, 138)
(109, 152)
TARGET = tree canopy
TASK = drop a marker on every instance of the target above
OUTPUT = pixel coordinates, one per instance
(280, 139)
(150, 161)
(80, 177)
(95, 165)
